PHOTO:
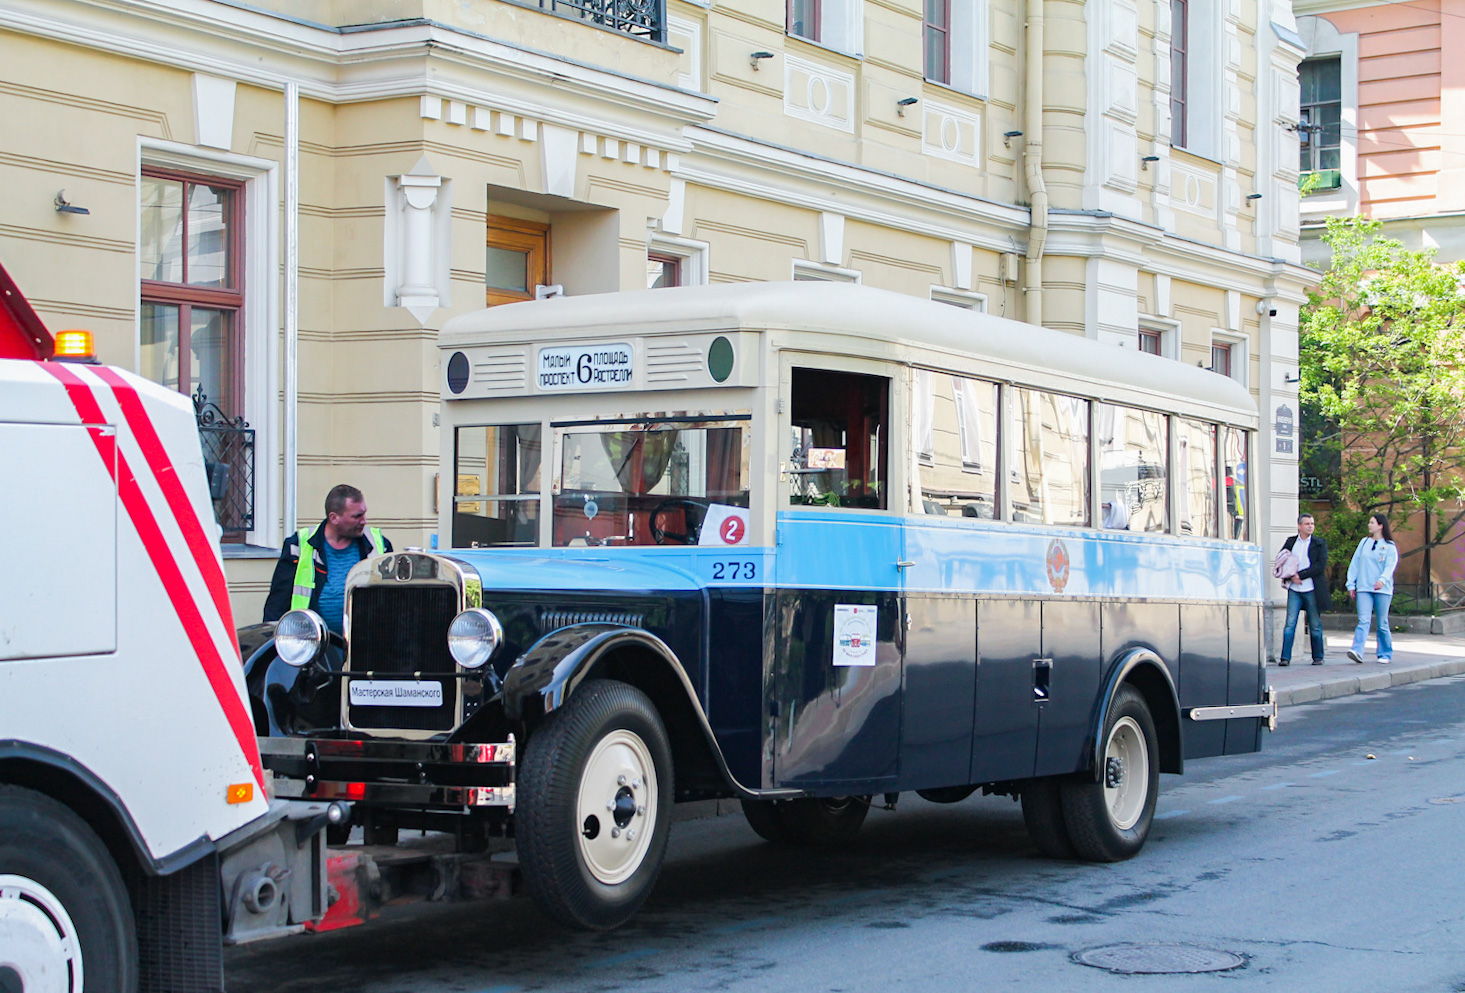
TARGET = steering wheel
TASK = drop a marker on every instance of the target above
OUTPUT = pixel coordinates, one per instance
(693, 512)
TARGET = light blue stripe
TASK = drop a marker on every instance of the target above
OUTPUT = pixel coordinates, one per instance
(1171, 813)
(1224, 799)
(1325, 772)
(1277, 786)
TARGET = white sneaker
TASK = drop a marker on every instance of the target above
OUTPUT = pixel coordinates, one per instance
(1354, 656)
(1382, 661)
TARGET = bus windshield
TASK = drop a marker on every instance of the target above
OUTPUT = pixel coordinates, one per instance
(648, 482)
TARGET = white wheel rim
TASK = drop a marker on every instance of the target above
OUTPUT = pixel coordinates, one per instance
(37, 938)
(1126, 773)
(615, 814)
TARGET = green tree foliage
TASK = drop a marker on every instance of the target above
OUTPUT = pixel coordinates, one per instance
(1383, 386)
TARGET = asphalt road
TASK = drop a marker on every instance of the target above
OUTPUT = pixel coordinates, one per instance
(1330, 861)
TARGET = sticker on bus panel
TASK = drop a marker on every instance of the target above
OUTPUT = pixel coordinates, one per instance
(854, 633)
(395, 693)
(585, 367)
(724, 524)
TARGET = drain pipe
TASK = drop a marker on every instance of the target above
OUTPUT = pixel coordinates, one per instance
(292, 302)
(1033, 166)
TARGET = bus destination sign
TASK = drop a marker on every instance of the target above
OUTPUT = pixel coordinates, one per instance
(585, 367)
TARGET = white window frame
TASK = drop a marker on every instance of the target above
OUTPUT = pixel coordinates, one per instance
(1323, 40)
(813, 272)
(691, 253)
(970, 37)
(1167, 329)
(842, 26)
(966, 299)
(1240, 345)
(261, 265)
(1204, 62)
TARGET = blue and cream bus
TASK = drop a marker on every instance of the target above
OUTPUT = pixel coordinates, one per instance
(807, 545)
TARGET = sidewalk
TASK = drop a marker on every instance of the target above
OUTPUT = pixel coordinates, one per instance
(1416, 657)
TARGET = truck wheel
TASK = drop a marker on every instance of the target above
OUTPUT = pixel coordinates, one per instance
(1109, 820)
(765, 818)
(821, 821)
(65, 920)
(1042, 812)
(595, 794)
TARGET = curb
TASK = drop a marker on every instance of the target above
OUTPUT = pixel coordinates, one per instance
(1328, 689)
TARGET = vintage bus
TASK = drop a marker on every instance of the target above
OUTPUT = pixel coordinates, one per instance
(808, 545)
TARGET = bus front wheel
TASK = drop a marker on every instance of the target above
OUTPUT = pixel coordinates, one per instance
(595, 806)
(1109, 820)
(65, 916)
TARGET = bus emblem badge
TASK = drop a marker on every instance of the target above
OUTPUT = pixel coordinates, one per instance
(1058, 563)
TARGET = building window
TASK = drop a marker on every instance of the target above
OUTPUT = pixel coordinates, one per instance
(803, 19)
(1320, 131)
(1221, 358)
(662, 270)
(938, 40)
(836, 24)
(814, 272)
(192, 286)
(1149, 341)
(965, 299)
(516, 259)
(1179, 70)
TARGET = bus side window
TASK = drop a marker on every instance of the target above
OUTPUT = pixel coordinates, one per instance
(496, 485)
(956, 445)
(1049, 458)
(1234, 508)
(1133, 468)
(838, 451)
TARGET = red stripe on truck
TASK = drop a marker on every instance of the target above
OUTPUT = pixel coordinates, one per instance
(146, 524)
(156, 455)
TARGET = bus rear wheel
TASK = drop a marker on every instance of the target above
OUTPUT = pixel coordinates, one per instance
(812, 821)
(65, 920)
(1109, 820)
(595, 808)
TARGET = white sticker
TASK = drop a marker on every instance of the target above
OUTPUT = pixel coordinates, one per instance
(586, 367)
(395, 693)
(854, 633)
(724, 524)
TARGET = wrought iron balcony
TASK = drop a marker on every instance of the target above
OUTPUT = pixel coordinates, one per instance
(228, 453)
(638, 18)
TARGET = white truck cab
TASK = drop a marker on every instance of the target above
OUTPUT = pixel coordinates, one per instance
(137, 833)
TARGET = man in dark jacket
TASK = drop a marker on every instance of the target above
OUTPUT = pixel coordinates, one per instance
(318, 581)
(1308, 590)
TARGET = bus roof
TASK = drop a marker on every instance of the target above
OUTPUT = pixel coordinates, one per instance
(847, 309)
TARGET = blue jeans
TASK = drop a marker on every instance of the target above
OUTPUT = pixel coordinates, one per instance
(1296, 603)
(1369, 604)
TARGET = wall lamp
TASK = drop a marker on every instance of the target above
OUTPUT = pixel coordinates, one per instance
(1289, 378)
(757, 57)
(1253, 196)
(901, 105)
(64, 206)
(1144, 163)
(1007, 137)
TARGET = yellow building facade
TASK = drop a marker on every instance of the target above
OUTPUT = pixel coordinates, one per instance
(1120, 169)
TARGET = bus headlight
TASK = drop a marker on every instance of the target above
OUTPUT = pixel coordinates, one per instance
(473, 637)
(299, 636)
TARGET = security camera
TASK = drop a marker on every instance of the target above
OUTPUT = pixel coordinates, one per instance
(1265, 307)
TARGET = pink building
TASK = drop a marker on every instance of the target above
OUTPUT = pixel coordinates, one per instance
(1382, 90)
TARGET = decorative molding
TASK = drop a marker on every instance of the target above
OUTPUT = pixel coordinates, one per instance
(686, 34)
(951, 133)
(819, 94)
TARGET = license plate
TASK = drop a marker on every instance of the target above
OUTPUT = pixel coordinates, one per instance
(395, 693)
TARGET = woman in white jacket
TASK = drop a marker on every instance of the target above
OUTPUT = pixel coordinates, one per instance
(1371, 583)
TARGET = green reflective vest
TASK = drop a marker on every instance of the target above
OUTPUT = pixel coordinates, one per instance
(305, 566)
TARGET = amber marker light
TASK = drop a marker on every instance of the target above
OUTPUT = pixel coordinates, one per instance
(74, 345)
(239, 793)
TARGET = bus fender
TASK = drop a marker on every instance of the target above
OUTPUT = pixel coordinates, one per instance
(1147, 672)
(546, 676)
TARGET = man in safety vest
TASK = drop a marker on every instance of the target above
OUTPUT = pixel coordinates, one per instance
(318, 580)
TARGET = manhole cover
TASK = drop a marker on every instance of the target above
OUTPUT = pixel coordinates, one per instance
(1448, 799)
(1158, 959)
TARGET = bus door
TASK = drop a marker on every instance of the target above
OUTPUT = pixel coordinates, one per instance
(835, 680)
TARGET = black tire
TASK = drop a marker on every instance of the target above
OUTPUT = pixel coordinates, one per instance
(67, 888)
(823, 821)
(765, 818)
(578, 791)
(1042, 812)
(1109, 820)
